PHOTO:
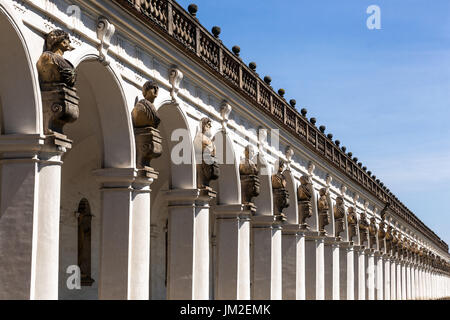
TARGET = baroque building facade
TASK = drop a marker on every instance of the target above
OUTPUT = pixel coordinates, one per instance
(139, 161)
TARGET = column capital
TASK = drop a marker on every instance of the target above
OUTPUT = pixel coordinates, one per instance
(234, 211)
(346, 245)
(116, 177)
(34, 147)
(291, 228)
(360, 249)
(266, 221)
(190, 197)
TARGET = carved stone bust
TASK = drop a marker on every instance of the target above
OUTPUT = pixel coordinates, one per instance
(304, 196)
(145, 122)
(304, 190)
(363, 228)
(57, 78)
(144, 113)
(280, 193)
(278, 179)
(51, 66)
(205, 150)
(352, 222)
(373, 232)
(248, 170)
(339, 215)
(248, 166)
(324, 216)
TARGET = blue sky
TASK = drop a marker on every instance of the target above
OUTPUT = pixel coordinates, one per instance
(385, 94)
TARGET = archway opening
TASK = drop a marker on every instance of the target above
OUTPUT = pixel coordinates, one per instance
(102, 138)
(176, 168)
(19, 94)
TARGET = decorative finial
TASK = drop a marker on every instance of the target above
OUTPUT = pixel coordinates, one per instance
(236, 50)
(175, 77)
(216, 31)
(328, 179)
(192, 8)
(313, 121)
(292, 102)
(355, 198)
(330, 136)
(311, 167)
(343, 148)
(322, 128)
(281, 92)
(267, 80)
(225, 110)
(304, 111)
(337, 142)
(343, 190)
(252, 65)
(105, 31)
(350, 154)
(289, 153)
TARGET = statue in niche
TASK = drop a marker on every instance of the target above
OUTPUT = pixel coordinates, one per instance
(248, 170)
(280, 193)
(324, 216)
(205, 150)
(57, 77)
(304, 196)
(363, 229)
(145, 122)
(52, 67)
(381, 234)
(373, 233)
(84, 242)
(339, 215)
(352, 221)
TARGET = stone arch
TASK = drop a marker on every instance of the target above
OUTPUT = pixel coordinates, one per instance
(175, 172)
(291, 186)
(178, 147)
(113, 112)
(20, 98)
(264, 202)
(102, 138)
(228, 183)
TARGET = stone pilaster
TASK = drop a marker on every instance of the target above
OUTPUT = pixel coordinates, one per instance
(30, 202)
(125, 237)
(266, 253)
(188, 243)
(233, 251)
(387, 277)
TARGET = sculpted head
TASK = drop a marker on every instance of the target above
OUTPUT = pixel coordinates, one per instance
(150, 90)
(57, 41)
(304, 180)
(339, 201)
